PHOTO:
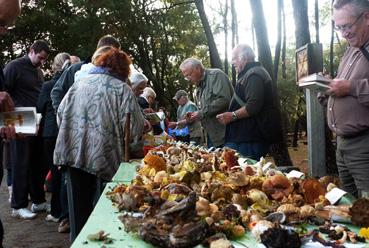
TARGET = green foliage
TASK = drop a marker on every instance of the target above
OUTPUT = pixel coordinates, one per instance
(158, 35)
(291, 96)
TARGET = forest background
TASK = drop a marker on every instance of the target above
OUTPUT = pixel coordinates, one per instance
(160, 34)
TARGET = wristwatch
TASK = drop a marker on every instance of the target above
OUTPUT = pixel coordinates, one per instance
(234, 116)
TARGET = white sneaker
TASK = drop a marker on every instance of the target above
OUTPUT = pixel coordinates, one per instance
(51, 218)
(23, 213)
(42, 207)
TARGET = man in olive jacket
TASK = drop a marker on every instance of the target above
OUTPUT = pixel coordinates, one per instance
(213, 95)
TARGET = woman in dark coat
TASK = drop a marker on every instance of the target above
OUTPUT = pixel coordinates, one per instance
(49, 131)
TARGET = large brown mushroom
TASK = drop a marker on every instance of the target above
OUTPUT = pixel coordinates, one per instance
(277, 187)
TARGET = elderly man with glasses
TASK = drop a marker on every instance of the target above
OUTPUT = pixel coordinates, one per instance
(348, 104)
(213, 95)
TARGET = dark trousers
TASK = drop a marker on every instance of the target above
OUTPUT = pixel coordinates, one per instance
(64, 196)
(28, 172)
(352, 156)
(48, 147)
(253, 150)
(6, 160)
(84, 190)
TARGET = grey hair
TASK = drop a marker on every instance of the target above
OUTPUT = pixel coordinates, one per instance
(191, 61)
(359, 6)
(137, 78)
(59, 61)
(246, 52)
(148, 92)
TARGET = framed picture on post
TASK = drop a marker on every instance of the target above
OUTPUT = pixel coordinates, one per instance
(309, 60)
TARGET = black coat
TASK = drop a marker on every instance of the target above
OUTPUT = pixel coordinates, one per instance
(48, 124)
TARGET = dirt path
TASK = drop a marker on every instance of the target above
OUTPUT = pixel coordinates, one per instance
(36, 233)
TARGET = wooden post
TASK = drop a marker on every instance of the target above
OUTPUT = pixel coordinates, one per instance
(309, 60)
(127, 136)
(316, 134)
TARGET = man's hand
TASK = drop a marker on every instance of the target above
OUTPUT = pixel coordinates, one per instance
(194, 116)
(147, 126)
(339, 87)
(148, 110)
(225, 118)
(8, 132)
(172, 124)
(6, 102)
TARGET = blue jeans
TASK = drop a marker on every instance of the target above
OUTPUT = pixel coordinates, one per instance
(253, 150)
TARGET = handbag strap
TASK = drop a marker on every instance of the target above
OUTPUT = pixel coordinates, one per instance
(365, 52)
(238, 99)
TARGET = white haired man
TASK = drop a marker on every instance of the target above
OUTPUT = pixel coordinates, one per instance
(252, 120)
(213, 95)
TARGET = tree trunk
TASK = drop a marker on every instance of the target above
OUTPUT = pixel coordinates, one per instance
(277, 53)
(284, 69)
(225, 23)
(300, 14)
(316, 8)
(279, 150)
(215, 61)
(234, 37)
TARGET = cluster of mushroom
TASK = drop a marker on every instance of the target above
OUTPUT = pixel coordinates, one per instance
(231, 196)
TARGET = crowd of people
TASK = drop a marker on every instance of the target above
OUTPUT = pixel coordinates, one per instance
(87, 106)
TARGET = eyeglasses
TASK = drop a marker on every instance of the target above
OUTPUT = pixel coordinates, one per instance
(348, 27)
(188, 75)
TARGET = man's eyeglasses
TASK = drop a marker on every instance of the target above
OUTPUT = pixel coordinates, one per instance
(188, 75)
(347, 27)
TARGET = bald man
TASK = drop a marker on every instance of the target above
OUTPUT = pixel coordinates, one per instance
(9, 10)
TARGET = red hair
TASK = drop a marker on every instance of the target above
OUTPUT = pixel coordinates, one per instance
(116, 61)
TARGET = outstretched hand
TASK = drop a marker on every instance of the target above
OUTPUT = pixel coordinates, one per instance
(6, 102)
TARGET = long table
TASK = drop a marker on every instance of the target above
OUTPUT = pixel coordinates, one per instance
(105, 218)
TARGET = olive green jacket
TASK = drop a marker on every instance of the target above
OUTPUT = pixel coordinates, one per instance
(213, 95)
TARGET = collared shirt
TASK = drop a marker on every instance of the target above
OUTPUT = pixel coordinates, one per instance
(349, 115)
(23, 81)
(92, 118)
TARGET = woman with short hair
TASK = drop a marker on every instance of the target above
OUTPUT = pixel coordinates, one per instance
(90, 144)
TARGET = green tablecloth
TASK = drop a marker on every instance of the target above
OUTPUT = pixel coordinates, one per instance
(126, 172)
(105, 217)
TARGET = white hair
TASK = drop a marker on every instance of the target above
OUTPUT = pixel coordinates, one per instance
(148, 91)
(191, 61)
(137, 78)
(246, 52)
